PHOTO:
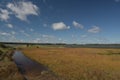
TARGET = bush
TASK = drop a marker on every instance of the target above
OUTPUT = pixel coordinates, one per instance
(1, 52)
(2, 45)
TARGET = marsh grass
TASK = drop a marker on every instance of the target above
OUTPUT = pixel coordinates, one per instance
(78, 63)
(110, 52)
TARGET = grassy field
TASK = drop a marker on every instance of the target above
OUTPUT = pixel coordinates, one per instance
(79, 63)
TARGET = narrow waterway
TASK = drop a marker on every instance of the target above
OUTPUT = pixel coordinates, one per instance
(27, 66)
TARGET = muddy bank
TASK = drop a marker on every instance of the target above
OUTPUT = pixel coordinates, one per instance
(15, 66)
(8, 69)
(32, 70)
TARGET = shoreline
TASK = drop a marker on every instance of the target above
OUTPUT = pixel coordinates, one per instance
(31, 69)
(8, 68)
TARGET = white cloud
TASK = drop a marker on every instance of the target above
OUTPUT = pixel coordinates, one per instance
(60, 26)
(60, 39)
(10, 25)
(94, 29)
(13, 32)
(4, 34)
(23, 9)
(4, 14)
(78, 25)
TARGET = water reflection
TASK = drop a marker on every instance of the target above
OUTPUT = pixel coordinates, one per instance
(28, 66)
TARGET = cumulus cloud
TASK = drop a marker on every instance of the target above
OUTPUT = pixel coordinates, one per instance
(94, 29)
(78, 25)
(10, 25)
(23, 9)
(4, 14)
(60, 26)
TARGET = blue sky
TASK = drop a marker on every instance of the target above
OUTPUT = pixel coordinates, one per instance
(60, 21)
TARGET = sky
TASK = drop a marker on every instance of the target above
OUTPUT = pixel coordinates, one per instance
(60, 21)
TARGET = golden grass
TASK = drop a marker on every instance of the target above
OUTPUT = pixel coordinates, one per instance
(79, 63)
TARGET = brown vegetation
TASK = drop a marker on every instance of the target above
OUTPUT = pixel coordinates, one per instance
(9, 71)
(79, 63)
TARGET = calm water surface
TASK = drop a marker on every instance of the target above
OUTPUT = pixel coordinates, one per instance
(28, 66)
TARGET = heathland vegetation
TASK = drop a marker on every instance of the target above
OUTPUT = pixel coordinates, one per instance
(78, 63)
(64, 62)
